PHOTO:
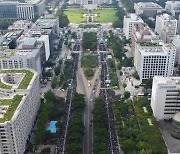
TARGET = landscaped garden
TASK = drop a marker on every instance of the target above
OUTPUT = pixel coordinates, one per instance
(75, 15)
(28, 75)
(105, 15)
(136, 133)
(89, 60)
(13, 104)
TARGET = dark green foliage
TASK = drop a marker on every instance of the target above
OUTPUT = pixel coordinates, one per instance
(63, 19)
(100, 127)
(76, 126)
(51, 109)
(89, 41)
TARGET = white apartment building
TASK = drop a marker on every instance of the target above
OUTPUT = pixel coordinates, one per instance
(128, 22)
(166, 21)
(176, 43)
(147, 8)
(18, 109)
(173, 7)
(165, 98)
(152, 59)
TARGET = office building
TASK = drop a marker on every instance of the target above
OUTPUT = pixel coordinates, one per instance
(20, 102)
(165, 98)
(153, 59)
(176, 43)
(166, 22)
(8, 10)
(142, 33)
(147, 8)
(27, 10)
(173, 7)
(128, 22)
(178, 31)
(26, 56)
(20, 25)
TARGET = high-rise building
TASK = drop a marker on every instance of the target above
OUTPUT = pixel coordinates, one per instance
(176, 43)
(28, 55)
(173, 7)
(166, 22)
(128, 22)
(20, 102)
(165, 98)
(8, 10)
(178, 25)
(152, 59)
(16, 10)
(142, 33)
(147, 8)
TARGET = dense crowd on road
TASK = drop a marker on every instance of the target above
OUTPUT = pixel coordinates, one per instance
(67, 111)
(107, 94)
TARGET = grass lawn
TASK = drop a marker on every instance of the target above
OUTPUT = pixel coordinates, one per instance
(75, 15)
(105, 15)
(89, 61)
(13, 104)
(25, 81)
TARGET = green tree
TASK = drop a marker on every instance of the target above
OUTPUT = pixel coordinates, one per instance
(126, 94)
(128, 145)
(148, 83)
(63, 19)
(57, 70)
(54, 82)
(124, 85)
(89, 41)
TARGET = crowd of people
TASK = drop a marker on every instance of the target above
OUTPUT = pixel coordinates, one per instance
(67, 110)
(108, 95)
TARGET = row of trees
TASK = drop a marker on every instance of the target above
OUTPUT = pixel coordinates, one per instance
(120, 14)
(137, 137)
(63, 19)
(66, 74)
(131, 140)
(100, 127)
(4, 24)
(89, 41)
(51, 109)
(55, 80)
(76, 126)
(151, 134)
(112, 72)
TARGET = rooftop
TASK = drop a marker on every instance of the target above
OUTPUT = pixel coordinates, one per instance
(30, 41)
(167, 80)
(167, 17)
(8, 107)
(148, 44)
(28, 75)
(148, 5)
(134, 17)
(46, 23)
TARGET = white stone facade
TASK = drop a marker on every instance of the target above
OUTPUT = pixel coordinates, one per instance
(165, 98)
